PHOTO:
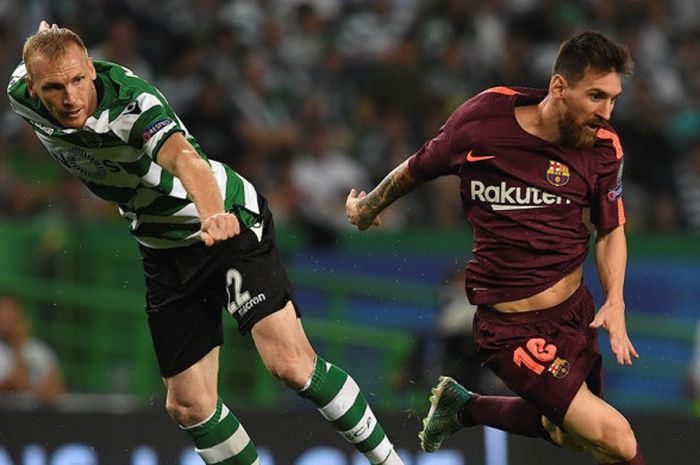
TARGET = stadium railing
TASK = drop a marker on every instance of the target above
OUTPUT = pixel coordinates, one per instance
(83, 290)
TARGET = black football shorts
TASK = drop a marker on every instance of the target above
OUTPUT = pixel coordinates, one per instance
(187, 288)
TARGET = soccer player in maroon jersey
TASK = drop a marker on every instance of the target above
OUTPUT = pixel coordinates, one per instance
(536, 168)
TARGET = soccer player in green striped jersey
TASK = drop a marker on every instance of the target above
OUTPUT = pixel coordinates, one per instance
(206, 239)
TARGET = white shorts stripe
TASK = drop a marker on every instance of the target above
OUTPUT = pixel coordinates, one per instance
(342, 401)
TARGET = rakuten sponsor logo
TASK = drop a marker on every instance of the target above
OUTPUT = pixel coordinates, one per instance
(504, 197)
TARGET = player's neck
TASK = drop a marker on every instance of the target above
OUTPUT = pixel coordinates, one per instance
(539, 120)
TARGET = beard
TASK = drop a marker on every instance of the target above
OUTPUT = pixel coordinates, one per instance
(573, 134)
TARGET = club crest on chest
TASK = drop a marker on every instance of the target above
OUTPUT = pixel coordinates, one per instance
(557, 173)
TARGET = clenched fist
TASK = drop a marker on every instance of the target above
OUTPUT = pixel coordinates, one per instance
(219, 227)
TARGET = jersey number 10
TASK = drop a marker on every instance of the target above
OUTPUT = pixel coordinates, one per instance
(537, 351)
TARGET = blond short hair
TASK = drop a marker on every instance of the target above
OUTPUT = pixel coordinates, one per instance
(52, 43)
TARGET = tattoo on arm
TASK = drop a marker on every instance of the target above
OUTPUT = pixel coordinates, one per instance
(396, 184)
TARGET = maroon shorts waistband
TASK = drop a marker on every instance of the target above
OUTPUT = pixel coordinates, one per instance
(486, 313)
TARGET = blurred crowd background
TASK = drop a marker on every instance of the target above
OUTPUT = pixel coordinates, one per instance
(310, 98)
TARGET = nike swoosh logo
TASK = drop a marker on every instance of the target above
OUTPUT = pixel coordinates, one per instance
(472, 158)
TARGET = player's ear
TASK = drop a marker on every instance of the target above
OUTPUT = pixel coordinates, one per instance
(91, 68)
(30, 87)
(557, 85)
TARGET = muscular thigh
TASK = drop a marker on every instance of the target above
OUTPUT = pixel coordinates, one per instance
(192, 394)
(185, 331)
(280, 339)
(196, 383)
(589, 416)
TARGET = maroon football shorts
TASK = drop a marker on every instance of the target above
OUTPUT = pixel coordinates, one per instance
(544, 355)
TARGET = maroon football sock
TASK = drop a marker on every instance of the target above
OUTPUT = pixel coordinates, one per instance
(637, 460)
(510, 414)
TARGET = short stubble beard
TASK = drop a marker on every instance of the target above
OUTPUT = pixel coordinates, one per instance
(572, 134)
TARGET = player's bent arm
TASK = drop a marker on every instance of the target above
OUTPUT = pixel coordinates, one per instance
(178, 157)
(396, 184)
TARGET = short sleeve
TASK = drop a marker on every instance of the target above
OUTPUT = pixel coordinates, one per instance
(607, 208)
(146, 123)
(437, 157)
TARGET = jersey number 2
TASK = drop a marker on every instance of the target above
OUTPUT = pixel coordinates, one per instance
(234, 284)
(537, 351)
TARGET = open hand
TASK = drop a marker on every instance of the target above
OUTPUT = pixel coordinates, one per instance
(612, 318)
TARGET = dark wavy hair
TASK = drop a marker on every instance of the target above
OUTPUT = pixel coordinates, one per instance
(591, 49)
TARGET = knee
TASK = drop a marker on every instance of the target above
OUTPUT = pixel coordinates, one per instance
(189, 411)
(618, 441)
(293, 370)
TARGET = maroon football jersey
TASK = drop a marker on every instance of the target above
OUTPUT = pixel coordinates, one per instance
(524, 197)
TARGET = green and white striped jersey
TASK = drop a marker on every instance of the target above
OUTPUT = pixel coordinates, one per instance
(114, 154)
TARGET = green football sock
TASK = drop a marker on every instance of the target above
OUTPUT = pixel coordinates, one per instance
(222, 440)
(340, 401)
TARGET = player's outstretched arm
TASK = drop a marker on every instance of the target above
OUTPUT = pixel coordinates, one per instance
(611, 259)
(179, 158)
(363, 209)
